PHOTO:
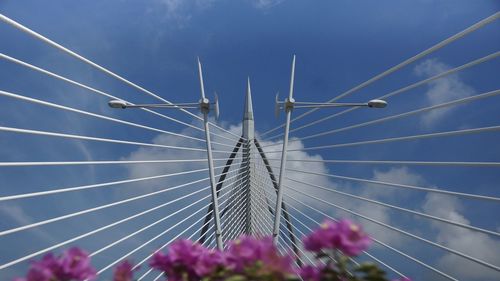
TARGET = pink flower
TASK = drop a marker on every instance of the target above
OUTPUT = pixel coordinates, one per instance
(73, 264)
(185, 259)
(321, 238)
(343, 235)
(249, 252)
(208, 262)
(351, 239)
(124, 272)
(310, 273)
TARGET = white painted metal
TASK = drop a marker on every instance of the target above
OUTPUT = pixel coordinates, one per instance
(205, 109)
(279, 199)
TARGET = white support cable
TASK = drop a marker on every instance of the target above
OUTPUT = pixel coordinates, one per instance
(413, 112)
(90, 186)
(32, 255)
(209, 240)
(317, 223)
(403, 138)
(264, 222)
(236, 229)
(151, 269)
(89, 138)
(447, 249)
(40, 223)
(396, 162)
(237, 183)
(235, 196)
(99, 116)
(190, 237)
(164, 245)
(303, 235)
(390, 206)
(234, 221)
(422, 54)
(229, 217)
(150, 225)
(153, 224)
(239, 191)
(231, 197)
(99, 92)
(264, 205)
(397, 92)
(97, 66)
(384, 245)
(365, 252)
(406, 186)
(154, 238)
(269, 228)
(104, 162)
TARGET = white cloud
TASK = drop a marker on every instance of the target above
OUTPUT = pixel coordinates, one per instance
(315, 167)
(19, 216)
(394, 175)
(153, 153)
(182, 11)
(441, 90)
(473, 243)
(266, 4)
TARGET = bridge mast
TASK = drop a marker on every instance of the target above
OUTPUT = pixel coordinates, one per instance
(248, 133)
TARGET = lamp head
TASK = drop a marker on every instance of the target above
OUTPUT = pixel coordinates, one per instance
(117, 104)
(377, 103)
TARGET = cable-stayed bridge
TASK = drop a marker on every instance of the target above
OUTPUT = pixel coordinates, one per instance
(212, 183)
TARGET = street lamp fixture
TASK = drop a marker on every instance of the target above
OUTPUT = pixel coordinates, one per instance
(203, 104)
(289, 104)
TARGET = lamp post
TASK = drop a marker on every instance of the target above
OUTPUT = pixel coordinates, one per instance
(288, 105)
(205, 107)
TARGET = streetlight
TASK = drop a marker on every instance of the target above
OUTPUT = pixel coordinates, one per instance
(291, 103)
(205, 107)
(203, 104)
(288, 105)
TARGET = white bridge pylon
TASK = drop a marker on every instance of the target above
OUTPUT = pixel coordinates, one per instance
(256, 185)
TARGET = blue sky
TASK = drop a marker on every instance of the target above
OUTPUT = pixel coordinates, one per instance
(338, 44)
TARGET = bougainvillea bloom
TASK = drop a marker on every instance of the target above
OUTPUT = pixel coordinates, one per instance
(259, 256)
(209, 261)
(343, 235)
(186, 259)
(124, 272)
(310, 273)
(321, 238)
(73, 264)
(247, 258)
(351, 239)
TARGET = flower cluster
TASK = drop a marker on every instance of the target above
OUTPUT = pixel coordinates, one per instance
(73, 264)
(343, 235)
(187, 261)
(245, 259)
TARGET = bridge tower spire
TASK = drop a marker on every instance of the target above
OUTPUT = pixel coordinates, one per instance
(248, 134)
(248, 122)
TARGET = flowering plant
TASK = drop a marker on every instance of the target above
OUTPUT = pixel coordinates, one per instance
(246, 259)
